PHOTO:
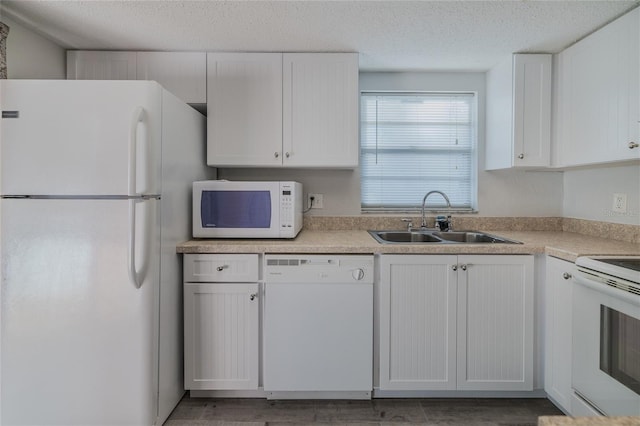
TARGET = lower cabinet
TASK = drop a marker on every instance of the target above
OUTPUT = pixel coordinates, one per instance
(221, 322)
(558, 334)
(456, 322)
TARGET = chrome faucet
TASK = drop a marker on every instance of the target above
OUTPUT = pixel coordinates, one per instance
(424, 201)
(409, 223)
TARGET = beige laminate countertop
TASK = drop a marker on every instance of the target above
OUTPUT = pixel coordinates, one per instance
(588, 421)
(564, 245)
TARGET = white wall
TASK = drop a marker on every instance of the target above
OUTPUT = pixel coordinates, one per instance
(30, 55)
(588, 193)
(503, 193)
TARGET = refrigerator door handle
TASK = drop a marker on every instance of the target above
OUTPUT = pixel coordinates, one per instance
(137, 117)
(137, 278)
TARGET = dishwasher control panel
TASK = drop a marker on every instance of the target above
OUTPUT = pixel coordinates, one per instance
(331, 269)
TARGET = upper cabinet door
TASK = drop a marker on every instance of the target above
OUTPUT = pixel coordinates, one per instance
(597, 112)
(182, 73)
(244, 109)
(100, 65)
(629, 86)
(519, 112)
(531, 110)
(320, 114)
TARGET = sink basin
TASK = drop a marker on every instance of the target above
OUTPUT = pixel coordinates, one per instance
(436, 237)
(404, 237)
(473, 237)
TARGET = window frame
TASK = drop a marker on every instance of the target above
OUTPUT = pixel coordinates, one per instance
(439, 202)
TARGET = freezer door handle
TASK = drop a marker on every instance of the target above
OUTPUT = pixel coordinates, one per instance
(137, 117)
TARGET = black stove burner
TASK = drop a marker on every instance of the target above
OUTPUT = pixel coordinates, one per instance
(633, 264)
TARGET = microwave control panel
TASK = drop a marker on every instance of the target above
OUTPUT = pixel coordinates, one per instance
(286, 205)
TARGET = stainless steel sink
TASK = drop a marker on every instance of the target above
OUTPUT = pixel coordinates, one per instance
(473, 237)
(437, 237)
(404, 237)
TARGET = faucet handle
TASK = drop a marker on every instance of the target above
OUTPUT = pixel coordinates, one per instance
(409, 223)
(443, 223)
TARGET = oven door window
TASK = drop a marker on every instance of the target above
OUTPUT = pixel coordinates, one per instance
(620, 347)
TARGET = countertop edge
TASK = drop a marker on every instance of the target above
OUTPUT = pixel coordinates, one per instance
(587, 421)
(564, 245)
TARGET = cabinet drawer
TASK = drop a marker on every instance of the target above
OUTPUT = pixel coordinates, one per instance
(221, 268)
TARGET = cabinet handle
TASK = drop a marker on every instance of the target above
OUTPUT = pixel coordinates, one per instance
(222, 268)
(463, 267)
(276, 154)
(566, 275)
(253, 296)
(521, 156)
(357, 274)
(286, 154)
(633, 145)
(454, 267)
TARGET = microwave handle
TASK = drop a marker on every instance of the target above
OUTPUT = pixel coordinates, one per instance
(604, 288)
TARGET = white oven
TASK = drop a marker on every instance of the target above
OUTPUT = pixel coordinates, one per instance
(606, 334)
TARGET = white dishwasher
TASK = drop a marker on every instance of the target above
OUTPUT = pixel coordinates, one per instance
(318, 326)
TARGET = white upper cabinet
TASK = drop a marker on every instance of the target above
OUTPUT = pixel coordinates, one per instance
(282, 110)
(100, 65)
(597, 104)
(244, 112)
(182, 73)
(320, 119)
(519, 112)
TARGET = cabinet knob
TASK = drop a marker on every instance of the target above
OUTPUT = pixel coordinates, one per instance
(454, 267)
(222, 268)
(566, 275)
(253, 296)
(276, 154)
(463, 267)
(521, 156)
(633, 145)
(286, 154)
(358, 274)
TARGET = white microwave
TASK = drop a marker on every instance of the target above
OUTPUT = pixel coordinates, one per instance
(234, 209)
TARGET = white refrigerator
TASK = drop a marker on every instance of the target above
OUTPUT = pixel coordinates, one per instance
(95, 180)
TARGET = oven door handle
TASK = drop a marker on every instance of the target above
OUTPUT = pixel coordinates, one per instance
(606, 289)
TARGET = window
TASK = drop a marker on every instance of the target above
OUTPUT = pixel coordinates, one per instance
(412, 143)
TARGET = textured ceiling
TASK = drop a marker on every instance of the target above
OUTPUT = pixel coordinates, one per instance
(389, 35)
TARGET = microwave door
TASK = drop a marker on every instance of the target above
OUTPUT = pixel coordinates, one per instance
(239, 213)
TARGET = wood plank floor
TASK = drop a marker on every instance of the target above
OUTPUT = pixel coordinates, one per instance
(376, 412)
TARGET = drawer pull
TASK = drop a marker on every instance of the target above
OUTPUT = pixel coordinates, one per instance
(222, 268)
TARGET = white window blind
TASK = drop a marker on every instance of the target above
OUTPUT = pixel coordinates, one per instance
(411, 144)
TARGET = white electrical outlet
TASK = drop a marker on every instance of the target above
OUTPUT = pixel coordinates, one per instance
(620, 203)
(315, 201)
